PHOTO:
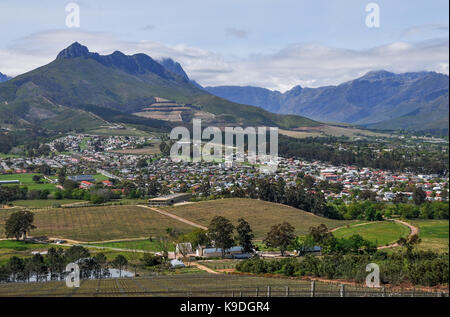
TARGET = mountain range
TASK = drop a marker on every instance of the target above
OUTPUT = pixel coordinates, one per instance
(82, 90)
(4, 78)
(379, 99)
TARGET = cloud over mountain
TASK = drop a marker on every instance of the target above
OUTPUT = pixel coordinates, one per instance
(306, 64)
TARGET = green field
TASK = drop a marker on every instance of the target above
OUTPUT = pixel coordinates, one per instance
(9, 248)
(120, 132)
(145, 245)
(21, 246)
(434, 234)
(381, 233)
(3, 155)
(27, 180)
(260, 214)
(100, 223)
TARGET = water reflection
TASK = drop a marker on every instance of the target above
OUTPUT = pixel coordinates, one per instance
(108, 273)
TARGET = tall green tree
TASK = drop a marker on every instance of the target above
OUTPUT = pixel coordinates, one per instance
(220, 231)
(419, 196)
(245, 235)
(280, 236)
(119, 263)
(19, 224)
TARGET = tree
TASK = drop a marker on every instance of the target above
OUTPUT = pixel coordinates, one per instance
(303, 245)
(19, 224)
(220, 231)
(76, 252)
(419, 196)
(37, 178)
(320, 234)
(37, 266)
(196, 237)
(164, 148)
(119, 263)
(15, 266)
(245, 235)
(280, 236)
(205, 187)
(409, 243)
(55, 261)
(62, 176)
(102, 263)
(163, 244)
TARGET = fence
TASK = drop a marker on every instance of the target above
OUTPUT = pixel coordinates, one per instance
(201, 286)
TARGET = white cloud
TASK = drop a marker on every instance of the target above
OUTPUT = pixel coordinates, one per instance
(310, 65)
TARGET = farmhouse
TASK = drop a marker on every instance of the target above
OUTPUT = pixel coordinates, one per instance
(169, 199)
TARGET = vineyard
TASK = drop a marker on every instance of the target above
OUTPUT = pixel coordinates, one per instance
(204, 285)
(100, 223)
(260, 214)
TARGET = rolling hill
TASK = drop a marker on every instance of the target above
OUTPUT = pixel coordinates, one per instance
(379, 99)
(260, 214)
(98, 89)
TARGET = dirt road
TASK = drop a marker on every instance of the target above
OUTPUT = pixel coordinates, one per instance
(168, 214)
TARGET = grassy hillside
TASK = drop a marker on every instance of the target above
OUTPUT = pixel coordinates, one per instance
(260, 214)
(100, 223)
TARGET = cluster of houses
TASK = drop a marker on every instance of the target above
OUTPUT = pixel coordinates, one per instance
(88, 154)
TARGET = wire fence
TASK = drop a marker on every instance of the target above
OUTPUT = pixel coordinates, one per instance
(191, 285)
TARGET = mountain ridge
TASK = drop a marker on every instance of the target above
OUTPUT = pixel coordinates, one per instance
(376, 97)
(117, 86)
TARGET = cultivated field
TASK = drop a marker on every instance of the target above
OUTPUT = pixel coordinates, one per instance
(434, 234)
(192, 285)
(381, 233)
(154, 149)
(100, 223)
(260, 214)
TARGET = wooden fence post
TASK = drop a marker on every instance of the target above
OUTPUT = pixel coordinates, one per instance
(383, 292)
(313, 288)
(257, 292)
(342, 290)
(232, 293)
(287, 291)
(268, 291)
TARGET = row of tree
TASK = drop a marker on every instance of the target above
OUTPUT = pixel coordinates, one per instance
(52, 266)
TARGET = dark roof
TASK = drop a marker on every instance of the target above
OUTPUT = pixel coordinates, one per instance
(80, 178)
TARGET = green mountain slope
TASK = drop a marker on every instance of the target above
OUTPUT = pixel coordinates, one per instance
(98, 89)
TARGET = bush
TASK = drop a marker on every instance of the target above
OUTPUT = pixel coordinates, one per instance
(151, 260)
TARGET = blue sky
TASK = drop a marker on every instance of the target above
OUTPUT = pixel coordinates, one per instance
(271, 43)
